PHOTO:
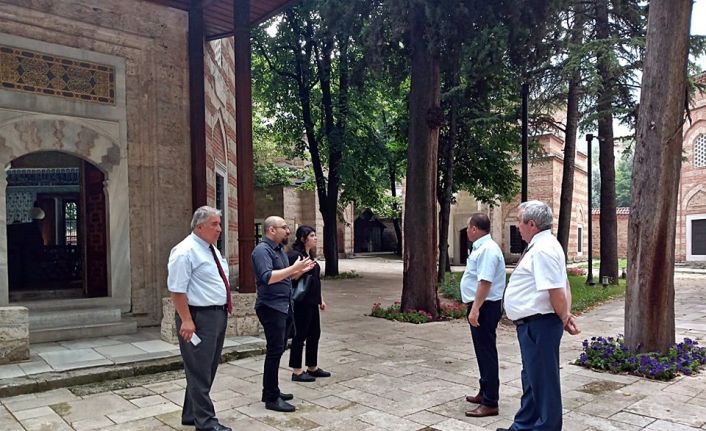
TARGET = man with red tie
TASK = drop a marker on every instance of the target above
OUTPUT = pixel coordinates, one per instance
(198, 283)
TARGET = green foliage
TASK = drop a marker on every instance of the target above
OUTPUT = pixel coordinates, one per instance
(584, 297)
(449, 287)
(392, 312)
(623, 180)
(346, 275)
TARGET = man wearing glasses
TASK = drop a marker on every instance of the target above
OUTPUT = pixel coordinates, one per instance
(273, 279)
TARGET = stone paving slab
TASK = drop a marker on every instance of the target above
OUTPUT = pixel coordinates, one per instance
(386, 376)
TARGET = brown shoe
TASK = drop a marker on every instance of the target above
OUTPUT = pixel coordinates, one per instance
(475, 399)
(482, 411)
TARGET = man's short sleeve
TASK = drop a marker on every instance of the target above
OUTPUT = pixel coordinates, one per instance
(487, 265)
(549, 270)
(179, 272)
(262, 265)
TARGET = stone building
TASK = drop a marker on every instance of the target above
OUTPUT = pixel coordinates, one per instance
(545, 175)
(117, 119)
(300, 206)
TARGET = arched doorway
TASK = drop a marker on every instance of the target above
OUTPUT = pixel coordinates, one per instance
(56, 227)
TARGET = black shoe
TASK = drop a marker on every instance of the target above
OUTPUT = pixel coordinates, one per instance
(303, 377)
(319, 373)
(285, 397)
(218, 427)
(502, 429)
(187, 422)
(279, 406)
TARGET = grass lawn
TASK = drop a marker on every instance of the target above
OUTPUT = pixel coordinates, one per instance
(622, 263)
(583, 296)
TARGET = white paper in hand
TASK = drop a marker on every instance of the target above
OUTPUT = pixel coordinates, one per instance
(195, 340)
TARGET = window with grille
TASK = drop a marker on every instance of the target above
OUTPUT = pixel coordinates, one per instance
(220, 199)
(70, 223)
(700, 151)
(516, 243)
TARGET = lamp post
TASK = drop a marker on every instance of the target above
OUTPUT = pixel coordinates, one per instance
(589, 279)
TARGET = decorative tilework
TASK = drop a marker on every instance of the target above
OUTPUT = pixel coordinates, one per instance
(36, 72)
(42, 177)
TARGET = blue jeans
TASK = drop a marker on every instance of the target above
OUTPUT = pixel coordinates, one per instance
(540, 407)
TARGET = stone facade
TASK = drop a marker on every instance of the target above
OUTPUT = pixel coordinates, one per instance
(623, 214)
(140, 141)
(545, 175)
(692, 187)
(298, 206)
(14, 334)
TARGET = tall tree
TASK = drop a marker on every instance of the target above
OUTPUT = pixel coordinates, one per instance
(572, 121)
(606, 143)
(312, 69)
(649, 301)
(419, 286)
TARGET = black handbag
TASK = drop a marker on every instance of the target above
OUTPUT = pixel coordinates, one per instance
(302, 288)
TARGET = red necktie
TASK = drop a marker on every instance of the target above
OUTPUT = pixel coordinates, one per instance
(223, 276)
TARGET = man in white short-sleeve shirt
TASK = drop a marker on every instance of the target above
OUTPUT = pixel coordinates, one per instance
(482, 289)
(538, 301)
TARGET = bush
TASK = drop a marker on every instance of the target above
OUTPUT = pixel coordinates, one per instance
(576, 271)
(342, 276)
(393, 313)
(450, 286)
(447, 312)
(612, 355)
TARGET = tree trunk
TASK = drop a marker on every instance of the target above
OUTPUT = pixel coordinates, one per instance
(419, 289)
(649, 302)
(392, 173)
(572, 115)
(606, 159)
(446, 158)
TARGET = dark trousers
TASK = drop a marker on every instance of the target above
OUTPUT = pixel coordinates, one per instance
(307, 326)
(540, 407)
(200, 365)
(485, 346)
(276, 329)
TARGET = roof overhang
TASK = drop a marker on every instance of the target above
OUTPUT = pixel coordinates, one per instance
(218, 14)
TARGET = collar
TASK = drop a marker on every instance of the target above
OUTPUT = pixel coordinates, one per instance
(538, 237)
(273, 245)
(480, 241)
(200, 241)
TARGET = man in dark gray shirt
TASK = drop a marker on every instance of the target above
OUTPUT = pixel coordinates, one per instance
(274, 285)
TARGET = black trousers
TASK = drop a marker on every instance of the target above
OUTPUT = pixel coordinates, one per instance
(485, 346)
(200, 365)
(307, 325)
(276, 325)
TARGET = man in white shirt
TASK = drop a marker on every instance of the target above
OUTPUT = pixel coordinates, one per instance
(482, 289)
(198, 283)
(538, 301)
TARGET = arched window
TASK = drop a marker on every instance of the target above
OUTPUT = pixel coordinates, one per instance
(700, 151)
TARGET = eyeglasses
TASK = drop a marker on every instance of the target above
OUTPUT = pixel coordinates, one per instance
(285, 227)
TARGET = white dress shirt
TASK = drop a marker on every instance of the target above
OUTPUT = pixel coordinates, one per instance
(193, 271)
(541, 269)
(486, 262)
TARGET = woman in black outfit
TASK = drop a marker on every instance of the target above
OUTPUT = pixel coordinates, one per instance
(307, 323)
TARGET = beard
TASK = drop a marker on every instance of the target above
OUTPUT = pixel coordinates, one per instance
(285, 240)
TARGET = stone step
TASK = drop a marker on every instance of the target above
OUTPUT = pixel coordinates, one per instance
(126, 325)
(49, 319)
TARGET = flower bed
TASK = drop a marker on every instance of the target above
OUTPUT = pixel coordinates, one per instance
(393, 312)
(612, 355)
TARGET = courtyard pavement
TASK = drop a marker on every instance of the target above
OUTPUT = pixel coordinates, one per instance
(387, 376)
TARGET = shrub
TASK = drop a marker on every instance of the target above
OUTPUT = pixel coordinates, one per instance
(447, 312)
(342, 275)
(393, 313)
(612, 355)
(576, 271)
(449, 287)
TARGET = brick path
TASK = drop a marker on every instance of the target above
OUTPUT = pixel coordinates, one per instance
(390, 376)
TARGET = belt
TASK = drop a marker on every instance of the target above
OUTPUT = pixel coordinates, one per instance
(223, 307)
(528, 319)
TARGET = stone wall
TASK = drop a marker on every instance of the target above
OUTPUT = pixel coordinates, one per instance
(692, 188)
(150, 41)
(14, 334)
(623, 220)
